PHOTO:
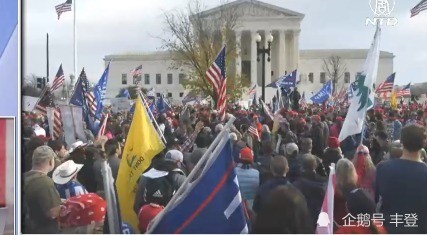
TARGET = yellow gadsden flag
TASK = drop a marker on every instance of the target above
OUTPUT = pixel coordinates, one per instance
(142, 144)
(393, 100)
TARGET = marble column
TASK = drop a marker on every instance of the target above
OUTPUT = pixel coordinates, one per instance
(254, 63)
(267, 63)
(238, 53)
(282, 53)
(296, 49)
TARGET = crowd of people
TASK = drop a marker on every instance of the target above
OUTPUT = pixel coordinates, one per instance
(282, 169)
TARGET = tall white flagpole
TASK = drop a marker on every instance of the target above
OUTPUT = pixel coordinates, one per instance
(75, 41)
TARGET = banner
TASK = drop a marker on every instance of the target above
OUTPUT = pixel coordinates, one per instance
(121, 104)
(78, 123)
(324, 93)
(28, 103)
(68, 124)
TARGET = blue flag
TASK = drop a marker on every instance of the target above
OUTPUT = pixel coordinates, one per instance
(162, 104)
(323, 94)
(286, 81)
(79, 98)
(99, 92)
(125, 93)
(212, 204)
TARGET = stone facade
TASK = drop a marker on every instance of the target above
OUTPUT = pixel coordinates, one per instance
(255, 18)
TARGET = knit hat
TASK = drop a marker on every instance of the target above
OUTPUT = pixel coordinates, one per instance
(246, 155)
(333, 142)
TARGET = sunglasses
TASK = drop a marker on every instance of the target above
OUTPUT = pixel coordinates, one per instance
(363, 153)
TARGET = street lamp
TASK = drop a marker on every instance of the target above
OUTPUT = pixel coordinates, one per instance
(263, 51)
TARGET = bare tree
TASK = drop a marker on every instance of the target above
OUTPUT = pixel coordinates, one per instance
(335, 68)
(195, 39)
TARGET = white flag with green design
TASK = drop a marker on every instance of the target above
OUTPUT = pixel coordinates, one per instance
(363, 98)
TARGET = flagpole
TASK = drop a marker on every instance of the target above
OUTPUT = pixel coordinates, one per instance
(152, 116)
(206, 156)
(75, 41)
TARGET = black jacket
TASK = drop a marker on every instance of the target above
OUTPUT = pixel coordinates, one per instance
(313, 187)
(318, 141)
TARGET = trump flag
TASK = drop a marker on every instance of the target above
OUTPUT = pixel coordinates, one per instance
(324, 93)
(212, 204)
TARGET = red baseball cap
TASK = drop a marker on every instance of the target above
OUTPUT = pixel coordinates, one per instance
(246, 155)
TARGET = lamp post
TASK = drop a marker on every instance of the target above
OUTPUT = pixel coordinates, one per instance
(263, 51)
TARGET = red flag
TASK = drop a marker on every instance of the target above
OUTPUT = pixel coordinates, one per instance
(325, 222)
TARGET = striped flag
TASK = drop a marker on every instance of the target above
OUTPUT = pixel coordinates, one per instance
(253, 130)
(45, 100)
(252, 90)
(406, 91)
(387, 85)
(101, 131)
(418, 8)
(91, 103)
(136, 71)
(59, 79)
(325, 222)
(54, 120)
(64, 7)
(216, 77)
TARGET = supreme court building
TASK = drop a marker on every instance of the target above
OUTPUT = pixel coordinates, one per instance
(257, 18)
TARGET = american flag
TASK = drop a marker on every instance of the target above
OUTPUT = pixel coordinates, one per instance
(64, 7)
(252, 90)
(45, 100)
(387, 85)
(54, 115)
(91, 102)
(418, 8)
(101, 131)
(216, 77)
(136, 72)
(253, 130)
(59, 79)
(406, 91)
(89, 96)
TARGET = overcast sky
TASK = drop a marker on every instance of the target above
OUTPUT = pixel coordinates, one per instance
(122, 26)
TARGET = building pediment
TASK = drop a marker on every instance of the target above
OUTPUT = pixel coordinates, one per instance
(255, 9)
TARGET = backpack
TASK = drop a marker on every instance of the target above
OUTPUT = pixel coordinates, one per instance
(159, 190)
